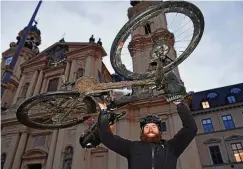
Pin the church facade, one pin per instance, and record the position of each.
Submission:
(40, 72)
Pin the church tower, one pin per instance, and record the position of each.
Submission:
(141, 38)
(140, 48)
(29, 50)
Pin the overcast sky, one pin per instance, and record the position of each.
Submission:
(216, 62)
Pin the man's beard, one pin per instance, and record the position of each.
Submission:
(156, 139)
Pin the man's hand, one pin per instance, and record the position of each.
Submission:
(102, 105)
(187, 100)
(176, 102)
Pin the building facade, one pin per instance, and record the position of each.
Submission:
(219, 117)
(39, 72)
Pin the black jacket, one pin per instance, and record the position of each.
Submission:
(142, 155)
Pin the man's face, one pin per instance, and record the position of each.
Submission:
(151, 130)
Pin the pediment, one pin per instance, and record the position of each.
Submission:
(86, 50)
(212, 140)
(44, 55)
(34, 153)
(234, 137)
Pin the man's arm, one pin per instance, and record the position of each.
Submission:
(186, 134)
(111, 141)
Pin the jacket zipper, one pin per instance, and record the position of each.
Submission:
(152, 156)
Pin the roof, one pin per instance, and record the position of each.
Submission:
(218, 96)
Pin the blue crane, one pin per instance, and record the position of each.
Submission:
(8, 74)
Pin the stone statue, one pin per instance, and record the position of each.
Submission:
(99, 42)
(92, 39)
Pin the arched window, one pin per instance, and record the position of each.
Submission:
(3, 159)
(80, 73)
(53, 83)
(147, 28)
(211, 95)
(68, 158)
(25, 89)
(235, 90)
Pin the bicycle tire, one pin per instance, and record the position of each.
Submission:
(186, 8)
(22, 111)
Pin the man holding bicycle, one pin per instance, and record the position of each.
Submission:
(152, 152)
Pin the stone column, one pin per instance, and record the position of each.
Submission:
(98, 66)
(71, 72)
(67, 69)
(19, 88)
(38, 84)
(32, 84)
(88, 67)
(20, 150)
(58, 152)
(43, 87)
(51, 151)
(66, 74)
(71, 77)
(78, 156)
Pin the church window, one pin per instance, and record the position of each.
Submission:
(68, 158)
(80, 73)
(25, 89)
(53, 83)
(147, 28)
(34, 166)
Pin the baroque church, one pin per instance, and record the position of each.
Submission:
(39, 72)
